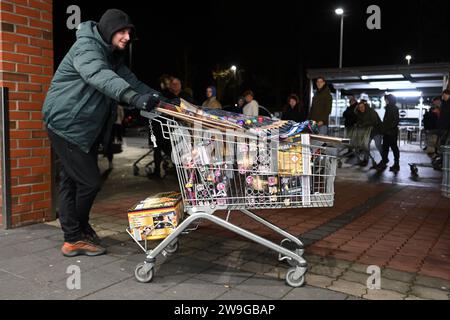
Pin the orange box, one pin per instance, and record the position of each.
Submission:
(156, 217)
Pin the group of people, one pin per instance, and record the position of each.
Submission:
(383, 133)
(436, 122)
(320, 109)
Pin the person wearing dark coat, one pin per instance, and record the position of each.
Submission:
(293, 110)
(79, 111)
(389, 129)
(444, 118)
(321, 106)
(430, 126)
(349, 114)
(369, 118)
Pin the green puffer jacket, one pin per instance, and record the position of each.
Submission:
(80, 105)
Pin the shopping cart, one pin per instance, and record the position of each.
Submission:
(232, 170)
(360, 138)
(446, 171)
(437, 159)
(355, 143)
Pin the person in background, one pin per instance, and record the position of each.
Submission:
(389, 130)
(252, 107)
(321, 105)
(240, 105)
(175, 91)
(293, 110)
(116, 137)
(444, 118)
(164, 83)
(369, 118)
(430, 125)
(350, 117)
(211, 102)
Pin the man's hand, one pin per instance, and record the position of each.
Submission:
(320, 123)
(146, 102)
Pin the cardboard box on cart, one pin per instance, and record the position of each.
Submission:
(161, 212)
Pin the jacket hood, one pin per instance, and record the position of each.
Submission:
(114, 20)
(88, 29)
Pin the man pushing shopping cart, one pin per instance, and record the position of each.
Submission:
(80, 109)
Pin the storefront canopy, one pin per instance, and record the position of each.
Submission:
(424, 80)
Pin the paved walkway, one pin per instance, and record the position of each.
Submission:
(402, 228)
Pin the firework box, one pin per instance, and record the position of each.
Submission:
(290, 161)
(156, 217)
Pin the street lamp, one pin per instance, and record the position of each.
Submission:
(408, 58)
(233, 68)
(340, 12)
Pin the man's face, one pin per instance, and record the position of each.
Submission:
(248, 98)
(445, 97)
(121, 39)
(209, 93)
(175, 86)
(320, 83)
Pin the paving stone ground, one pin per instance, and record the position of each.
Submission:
(403, 228)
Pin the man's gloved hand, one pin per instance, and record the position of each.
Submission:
(146, 102)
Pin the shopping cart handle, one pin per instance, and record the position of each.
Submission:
(330, 139)
(150, 115)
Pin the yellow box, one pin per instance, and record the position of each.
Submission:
(290, 161)
(156, 217)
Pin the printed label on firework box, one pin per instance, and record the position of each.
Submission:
(156, 217)
(290, 161)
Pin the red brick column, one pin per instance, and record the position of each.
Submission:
(26, 68)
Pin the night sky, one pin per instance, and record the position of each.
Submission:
(273, 42)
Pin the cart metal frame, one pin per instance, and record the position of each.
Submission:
(321, 180)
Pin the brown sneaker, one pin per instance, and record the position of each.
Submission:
(82, 248)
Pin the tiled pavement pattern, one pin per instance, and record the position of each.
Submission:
(403, 229)
(206, 267)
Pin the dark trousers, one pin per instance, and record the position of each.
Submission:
(390, 142)
(80, 182)
(164, 145)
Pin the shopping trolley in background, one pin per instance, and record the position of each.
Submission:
(355, 142)
(446, 170)
(241, 171)
(359, 142)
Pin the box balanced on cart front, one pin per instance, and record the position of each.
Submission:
(156, 217)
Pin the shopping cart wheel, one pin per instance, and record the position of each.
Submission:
(288, 244)
(142, 275)
(294, 280)
(135, 170)
(172, 248)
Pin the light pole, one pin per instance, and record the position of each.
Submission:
(234, 69)
(340, 12)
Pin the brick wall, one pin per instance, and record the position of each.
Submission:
(26, 68)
